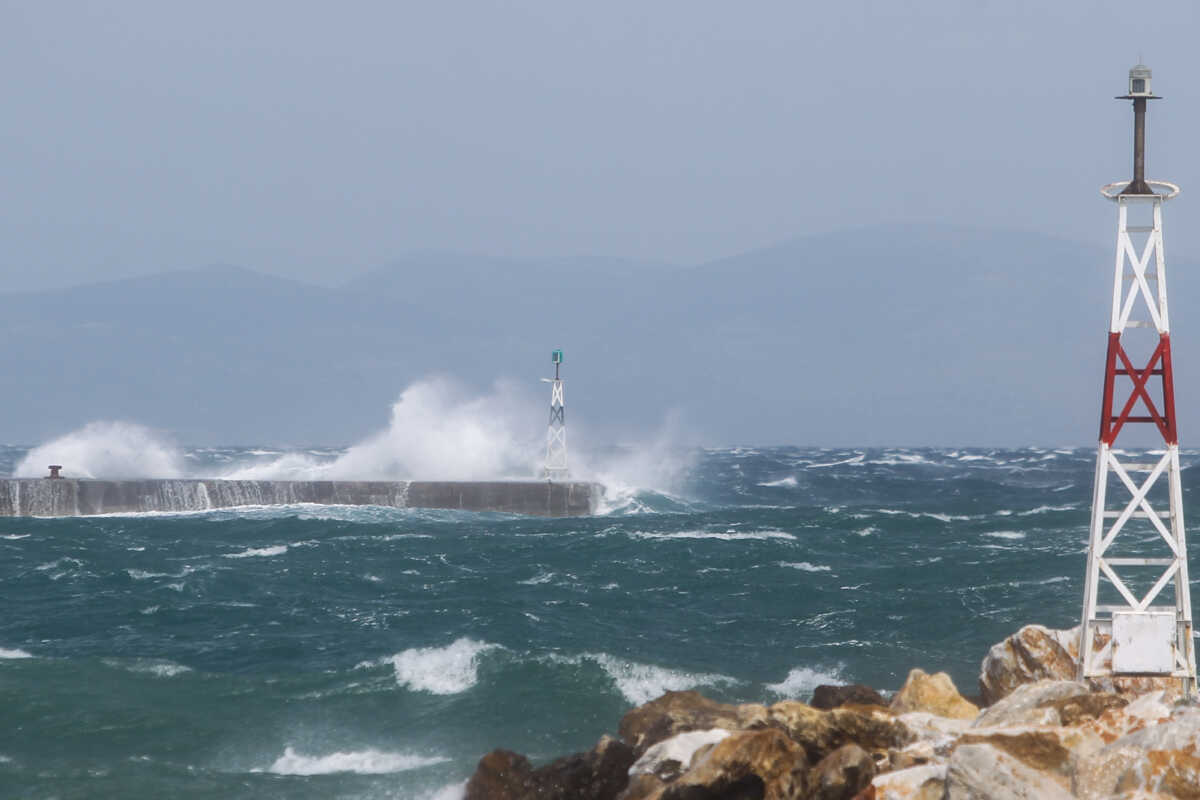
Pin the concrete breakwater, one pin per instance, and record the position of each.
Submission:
(65, 497)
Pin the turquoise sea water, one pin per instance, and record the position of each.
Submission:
(368, 653)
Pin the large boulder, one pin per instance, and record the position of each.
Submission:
(599, 774)
(679, 712)
(748, 765)
(1031, 654)
(873, 728)
(670, 758)
(1038, 653)
(933, 693)
(826, 697)
(1032, 704)
(1161, 760)
(916, 783)
(1046, 748)
(983, 772)
(841, 774)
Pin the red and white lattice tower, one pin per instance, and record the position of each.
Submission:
(1137, 531)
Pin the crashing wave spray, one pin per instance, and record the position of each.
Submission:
(105, 450)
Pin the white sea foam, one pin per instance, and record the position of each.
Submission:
(157, 667)
(1006, 535)
(790, 480)
(12, 537)
(867, 531)
(261, 552)
(728, 536)
(1044, 510)
(858, 459)
(438, 431)
(105, 450)
(440, 670)
(14, 653)
(641, 683)
(540, 578)
(451, 791)
(362, 762)
(805, 566)
(801, 681)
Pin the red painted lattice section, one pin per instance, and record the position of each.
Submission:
(1118, 364)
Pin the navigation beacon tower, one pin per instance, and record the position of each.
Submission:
(1129, 633)
(556, 433)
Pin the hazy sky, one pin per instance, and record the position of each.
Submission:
(321, 140)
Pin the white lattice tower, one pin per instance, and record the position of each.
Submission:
(555, 468)
(1137, 527)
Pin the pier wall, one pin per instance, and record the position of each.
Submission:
(46, 497)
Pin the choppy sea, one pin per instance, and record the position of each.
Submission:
(331, 652)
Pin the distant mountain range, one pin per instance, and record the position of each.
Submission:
(919, 335)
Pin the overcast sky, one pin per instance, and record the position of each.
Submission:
(322, 140)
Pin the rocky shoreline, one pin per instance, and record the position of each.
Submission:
(1039, 734)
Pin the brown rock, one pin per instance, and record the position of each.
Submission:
(599, 774)
(916, 783)
(758, 765)
(1031, 704)
(982, 772)
(821, 732)
(643, 787)
(933, 693)
(677, 712)
(826, 697)
(1086, 707)
(1161, 759)
(1031, 654)
(842, 774)
(500, 775)
(1045, 748)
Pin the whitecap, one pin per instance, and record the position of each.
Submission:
(805, 566)
(641, 683)
(14, 653)
(440, 670)
(867, 531)
(1044, 510)
(362, 762)
(12, 537)
(728, 536)
(858, 459)
(1006, 535)
(789, 481)
(801, 681)
(540, 578)
(159, 668)
(274, 550)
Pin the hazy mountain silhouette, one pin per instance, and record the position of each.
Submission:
(923, 335)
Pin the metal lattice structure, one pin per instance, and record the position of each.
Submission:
(555, 468)
(1138, 503)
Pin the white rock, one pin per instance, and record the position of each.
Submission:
(983, 772)
(680, 748)
(915, 783)
(1021, 707)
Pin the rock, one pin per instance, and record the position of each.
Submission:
(914, 755)
(762, 764)
(500, 775)
(982, 772)
(643, 787)
(842, 774)
(1031, 704)
(1162, 758)
(826, 697)
(1086, 707)
(1035, 653)
(1031, 654)
(670, 758)
(599, 774)
(914, 783)
(873, 728)
(933, 693)
(1143, 712)
(1045, 748)
(679, 712)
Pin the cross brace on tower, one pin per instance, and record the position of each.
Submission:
(555, 468)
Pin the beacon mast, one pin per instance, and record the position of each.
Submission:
(1137, 531)
(555, 468)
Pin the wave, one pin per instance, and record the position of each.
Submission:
(641, 683)
(727, 536)
(12, 537)
(440, 670)
(801, 681)
(159, 668)
(14, 653)
(790, 481)
(805, 566)
(858, 459)
(106, 450)
(362, 762)
(259, 552)
(1006, 535)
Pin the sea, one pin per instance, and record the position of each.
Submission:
(364, 652)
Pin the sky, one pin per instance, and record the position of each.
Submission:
(318, 141)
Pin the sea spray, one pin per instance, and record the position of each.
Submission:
(105, 449)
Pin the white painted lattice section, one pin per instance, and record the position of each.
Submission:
(1139, 262)
(556, 436)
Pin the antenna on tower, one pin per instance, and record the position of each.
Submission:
(1138, 630)
(555, 468)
